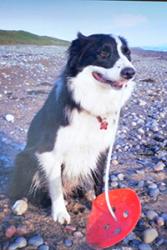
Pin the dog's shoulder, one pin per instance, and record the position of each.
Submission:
(47, 121)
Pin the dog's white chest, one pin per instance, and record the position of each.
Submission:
(81, 143)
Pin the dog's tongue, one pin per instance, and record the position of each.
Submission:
(99, 77)
(118, 84)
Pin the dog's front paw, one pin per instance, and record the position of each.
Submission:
(62, 217)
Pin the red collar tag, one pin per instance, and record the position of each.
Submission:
(103, 122)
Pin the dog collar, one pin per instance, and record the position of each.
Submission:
(103, 122)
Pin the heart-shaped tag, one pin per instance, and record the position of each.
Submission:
(102, 229)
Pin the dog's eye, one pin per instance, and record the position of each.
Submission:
(105, 53)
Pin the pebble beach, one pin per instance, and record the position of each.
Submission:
(139, 160)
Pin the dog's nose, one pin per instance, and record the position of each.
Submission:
(127, 73)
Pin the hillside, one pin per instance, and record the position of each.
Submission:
(23, 37)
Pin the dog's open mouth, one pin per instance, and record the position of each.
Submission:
(115, 84)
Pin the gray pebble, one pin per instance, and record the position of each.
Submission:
(150, 235)
(162, 155)
(13, 246)
(141, 171)
(134, 124)
(162, 114)
(142, 103)
(152, 186)
(21, 242)
(159, 166)
(144, 246)
(135, 243)
(154, 126)
(151, 215)
(149, 182)
(114, 184)
(115, 162)
(121, 176)
(20, 207)
(43, 247)
(141, 184)
(155, 129)
(130, 237)
(162, 186)
(36, 240)
(141, 131)
(9, 118)
(160, 221)
(159, 241)
(122, 185)
(68, 242)
(78, 234)
(113, 178)
(139, 137)
(154, 192)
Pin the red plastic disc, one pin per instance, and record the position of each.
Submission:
(102, 230)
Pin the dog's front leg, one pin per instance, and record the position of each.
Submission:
(59, 211)
(52, 167)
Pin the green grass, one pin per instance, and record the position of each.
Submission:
(23, 37)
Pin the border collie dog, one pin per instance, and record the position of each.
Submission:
(69, 138)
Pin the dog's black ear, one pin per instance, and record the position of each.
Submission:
(82, 39)
(74, 52)
(81, 36)
(125, 47)
(124, 41)
(78, 43)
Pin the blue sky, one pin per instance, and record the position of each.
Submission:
(142, 23)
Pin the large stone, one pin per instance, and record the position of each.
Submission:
(21, 242)
(20, 207)
(150, 235)
(36, 240)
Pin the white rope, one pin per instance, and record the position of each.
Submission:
(106, 187)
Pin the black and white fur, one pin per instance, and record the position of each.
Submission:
(66, 149)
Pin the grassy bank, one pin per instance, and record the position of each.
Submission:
(23, 37)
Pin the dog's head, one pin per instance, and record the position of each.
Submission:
(98, 65)
(107, 57)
